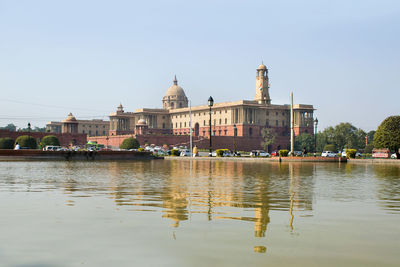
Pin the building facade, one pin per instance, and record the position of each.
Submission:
(243, 118)
(74, 126)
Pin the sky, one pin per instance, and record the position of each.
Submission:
(86, 57)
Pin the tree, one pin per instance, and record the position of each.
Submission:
(26, 141)
(345, 135)
(269, 136)
(388, 134)
(305, 140)
(322, 140)
(6, 143)
(49, 140)
(330, 147)
(130, 143)
(11, 127)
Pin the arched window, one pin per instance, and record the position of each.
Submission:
(250, 131)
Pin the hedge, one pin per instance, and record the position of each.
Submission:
(49, 140)
(130, 143)
(26, 141)
(6, 143)
(283, 153)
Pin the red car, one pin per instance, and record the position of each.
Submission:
(274, 153)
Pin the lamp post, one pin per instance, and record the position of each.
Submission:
(234, 139)
(107, 141)
(29, 129)
(210, 104)
(315, 136)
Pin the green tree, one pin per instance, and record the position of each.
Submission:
(49, 140)
(305, 140)
(26, 141)
(345, 135)
(269, 136)
(322, 140)
(330, 147)
(6, 143)
(130, 143)
(11, 127)
(388, 134)
(368, 148)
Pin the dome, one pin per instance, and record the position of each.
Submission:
(262, 67)
(175, 90)
(141, 122)
(70, 117)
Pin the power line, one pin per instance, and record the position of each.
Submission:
(46, 105)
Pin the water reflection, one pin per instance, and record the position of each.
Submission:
(219, 190)
(388, 186)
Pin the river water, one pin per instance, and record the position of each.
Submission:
(199, 213)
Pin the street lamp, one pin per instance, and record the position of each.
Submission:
(107, 141)
(315, 136)
(234, 139)
(210, 104)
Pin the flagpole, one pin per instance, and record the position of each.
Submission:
(190, 126)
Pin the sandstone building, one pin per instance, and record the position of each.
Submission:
(74, 126)
(248, 117)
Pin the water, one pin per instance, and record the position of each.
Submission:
(199, 213)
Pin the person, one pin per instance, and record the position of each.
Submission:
(195, 151)
(17, 146)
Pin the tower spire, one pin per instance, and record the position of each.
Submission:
(175, 80)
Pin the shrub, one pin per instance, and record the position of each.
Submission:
(351, 153)
(220, 152)
(368, 148)
(26, 141)
(140, 149)
(174, 152)
(330, 147)
(6, 143)
(49, 140)
(130, 143)
(283, 153)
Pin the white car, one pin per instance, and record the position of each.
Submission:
(185, 153)
(393, 156)
(328, 154)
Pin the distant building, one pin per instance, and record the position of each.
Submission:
(72, 125)
(249, 117)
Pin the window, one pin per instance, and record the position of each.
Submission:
(83, 131)
(283, 113)
(163, 125)
(276, 113)
(180, 125)
(204, 133)
(176, 125)
(283, 123)
(220, 111)
(204, 123)
(219, 132)
(214, 121)
(226, 111)
(226, 121)
(104, 132)
(220, 121)
(267, 123)
(225, 132)
(267, 113)
(250, 131)
(276, 123)
(185, 123)
(90, 132)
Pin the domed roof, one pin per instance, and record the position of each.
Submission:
(70, 117)
(141, 122)
(175, 90)
(262, 67)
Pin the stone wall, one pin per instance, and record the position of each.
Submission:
(242, 143)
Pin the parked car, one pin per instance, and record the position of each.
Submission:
(393, 156)
(344, 154)
(358, 154)
(185, 153)
(275, 153)
(328, 154)
(52, 148)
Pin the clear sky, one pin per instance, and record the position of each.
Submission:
(86, 57)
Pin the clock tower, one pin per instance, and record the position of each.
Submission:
(262, 86)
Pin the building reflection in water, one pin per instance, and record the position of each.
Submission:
(218, 189)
